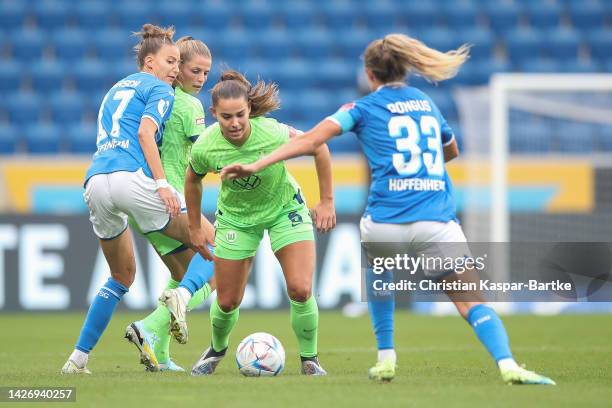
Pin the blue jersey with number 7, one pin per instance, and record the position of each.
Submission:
(402, 133)
(123, 107)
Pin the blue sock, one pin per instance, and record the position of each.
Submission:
(490, 331)
(99, 314)
(198, 273)
(381, 305)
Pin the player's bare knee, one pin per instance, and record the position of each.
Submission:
(125, 275)
(299, 294)
(227, 305)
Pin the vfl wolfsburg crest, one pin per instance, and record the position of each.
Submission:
(248, 183)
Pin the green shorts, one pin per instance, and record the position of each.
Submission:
(235, 242)
(163, 245)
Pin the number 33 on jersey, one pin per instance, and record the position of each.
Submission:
(403, 135)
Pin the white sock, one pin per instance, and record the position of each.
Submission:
(184, 294)
(507, 364)
(79, 357)
(387, 354)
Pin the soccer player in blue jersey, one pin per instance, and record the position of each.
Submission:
(406, 142)
(126, 177)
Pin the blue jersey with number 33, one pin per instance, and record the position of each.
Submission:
(123, 107)
(402, 133)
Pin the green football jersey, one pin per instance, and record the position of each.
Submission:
(255, 199)
(185, 125)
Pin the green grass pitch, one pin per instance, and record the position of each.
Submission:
(441, 363)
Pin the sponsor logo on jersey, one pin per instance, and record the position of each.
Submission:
(347, 106)
(295, 218)
(162, 106)
(199, 121)
(248, 183)
(231, 236)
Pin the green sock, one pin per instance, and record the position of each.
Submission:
(305, 324)
(199, 297)
(222, 325)
(158, 322)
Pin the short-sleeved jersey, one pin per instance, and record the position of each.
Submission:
(123, 107)
(186, 123)
(259, 198)
(402, 133)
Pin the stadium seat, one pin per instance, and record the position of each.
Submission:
(530, 137)
(120, 70)
(9, 139)
(460, 15)
(295, 14)
(51, 14)
(67, 107)
(587, 14)
(345, 143)
(338, 14)
(25, 108)
(524, 44)
(539, 65)
(543, 14)
(604, 138)
(28, 44)
(315, 44)
(314, 105)
(294, 74)
(333, 74)
(70, 44)
(12, 14)
(42, 139)
(92, 13)
(600, 43)
(379, 15)
(256, 16)
(90, 76)
(482, 40)
(178, 13)
(575, 137)
(112, 44)
(213, 16)
(418, 14)
(47, 75)
(502, 17)
(274, 44)
(10, 76)
(583, 66)
(351, 44)
(132, 14)
(445, 103)
(562, 43)
(441, 39)
(235, 45)
(82, 138)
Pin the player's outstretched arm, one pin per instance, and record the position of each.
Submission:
(324, 213)
(302, 145)
(199, 235)
(451, 151)
(146, 138)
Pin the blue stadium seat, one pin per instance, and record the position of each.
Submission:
(256, 16)
(113, 44)
(418, 14)
(51, 14)
(315, 105)
(258, 68)
(178, 13)
(539, 65)
(441, 39)
(351, 44)
(9, 139)
(600, 42)
(587, 14)
(294, 74)
(25, 107)
(333, 74)
(42, 139)
(563, 43)
(132, 14)
(504, 16)
(120, 70)
(461, 14)
(67, 107)
(273, 44)
(234, 45)
(47, 75)
(82, 138)
(524, 44)
(445, 102)
(379, 15)
(12, 14)
(91, 76)
(338, 14)
(582, 66)
(530, 137)
(604, 138)
(213, 16)
(92, 13)
(294, 14)
(543, 14)
(28, 44)
(10, 76)
(345, 143)
(70, 44)
(576, 137)
(316, 44)
(482, 40)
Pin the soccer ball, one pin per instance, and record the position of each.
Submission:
(260, 354)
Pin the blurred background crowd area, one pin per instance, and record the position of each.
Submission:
(59, 57)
